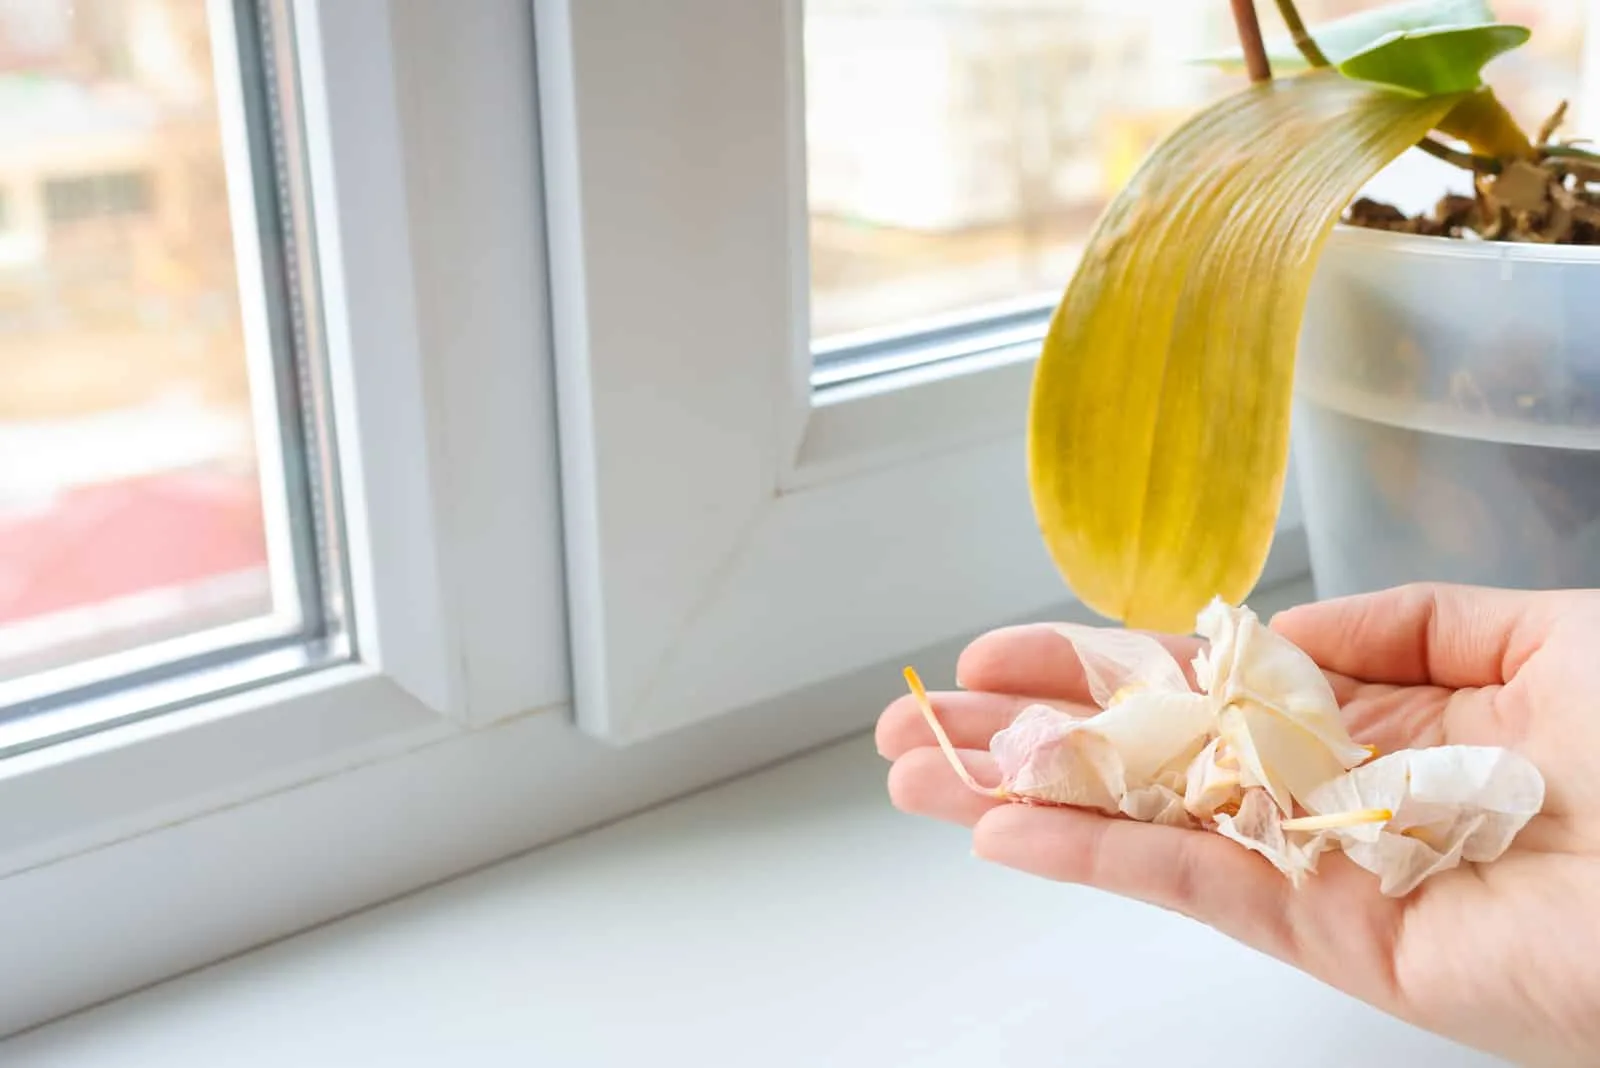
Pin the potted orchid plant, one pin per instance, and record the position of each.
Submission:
(1442, 373)
(1439, 367)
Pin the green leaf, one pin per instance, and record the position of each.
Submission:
(1448, 59)
(1342, 38)
(1158, 429)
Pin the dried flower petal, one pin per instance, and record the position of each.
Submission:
(1257, 664)
(1449, 803)
(1258, 826)
(1152, 730)
(1212, 781)
(1276, 708)
(1156, 804)
(1115, 661)
(1047, 755)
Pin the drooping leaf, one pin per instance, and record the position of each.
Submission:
(1342, 38)
(1436, 61)
(1159, 417)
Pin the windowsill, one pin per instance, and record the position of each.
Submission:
(788, 918)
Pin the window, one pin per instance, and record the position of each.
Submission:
(168, 507)
(343, 396)
(958, 152)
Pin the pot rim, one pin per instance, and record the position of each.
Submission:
(1453, 248)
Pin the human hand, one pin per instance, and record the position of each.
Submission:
(1504, 956)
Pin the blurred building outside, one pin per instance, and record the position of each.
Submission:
(129, 505)
(959, 150)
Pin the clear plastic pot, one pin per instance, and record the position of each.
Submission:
(1447, 413)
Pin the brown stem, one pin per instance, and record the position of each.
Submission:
(1302, 40)
(1255, 51)
(1465, 160)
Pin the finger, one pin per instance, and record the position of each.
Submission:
(922, 783)
(1417, 717)
(1196, 873)
(1034, 659)
(1423, 633)
(970, 719)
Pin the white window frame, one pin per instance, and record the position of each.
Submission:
(731, 535)
(441, 409)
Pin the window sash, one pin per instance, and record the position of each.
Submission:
(454, 569)
(740, 521)
(287, 375)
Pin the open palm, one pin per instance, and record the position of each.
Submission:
(1504, 956)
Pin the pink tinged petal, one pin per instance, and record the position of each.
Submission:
(1047, 755)
(1116, 660)
(1139, 745)
(1035, 727)
(1256, 826)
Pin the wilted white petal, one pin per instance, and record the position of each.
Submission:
(1273, 752)
(1116, 660)
(1152, 730)
(1235, 733)
(1156, 803)
(1402, 862)
(1250, 664)
(1211, 780)
(1257, 826)
(1447, 803)
(1204, 672)
(1216, 624)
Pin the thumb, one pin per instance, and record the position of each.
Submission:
(1422, 634)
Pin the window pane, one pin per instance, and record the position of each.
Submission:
(958, 150)
(154, 464)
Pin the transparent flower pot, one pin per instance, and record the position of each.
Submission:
(1447, 413)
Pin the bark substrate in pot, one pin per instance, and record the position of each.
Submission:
(1447, 413)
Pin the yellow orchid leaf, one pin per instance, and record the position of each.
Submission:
(1158, 428)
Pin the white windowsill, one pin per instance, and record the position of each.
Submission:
(788, 918)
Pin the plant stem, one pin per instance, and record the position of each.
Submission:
(1302, 40)
(1570, 152)
(1465, 160)
(1255, 51)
